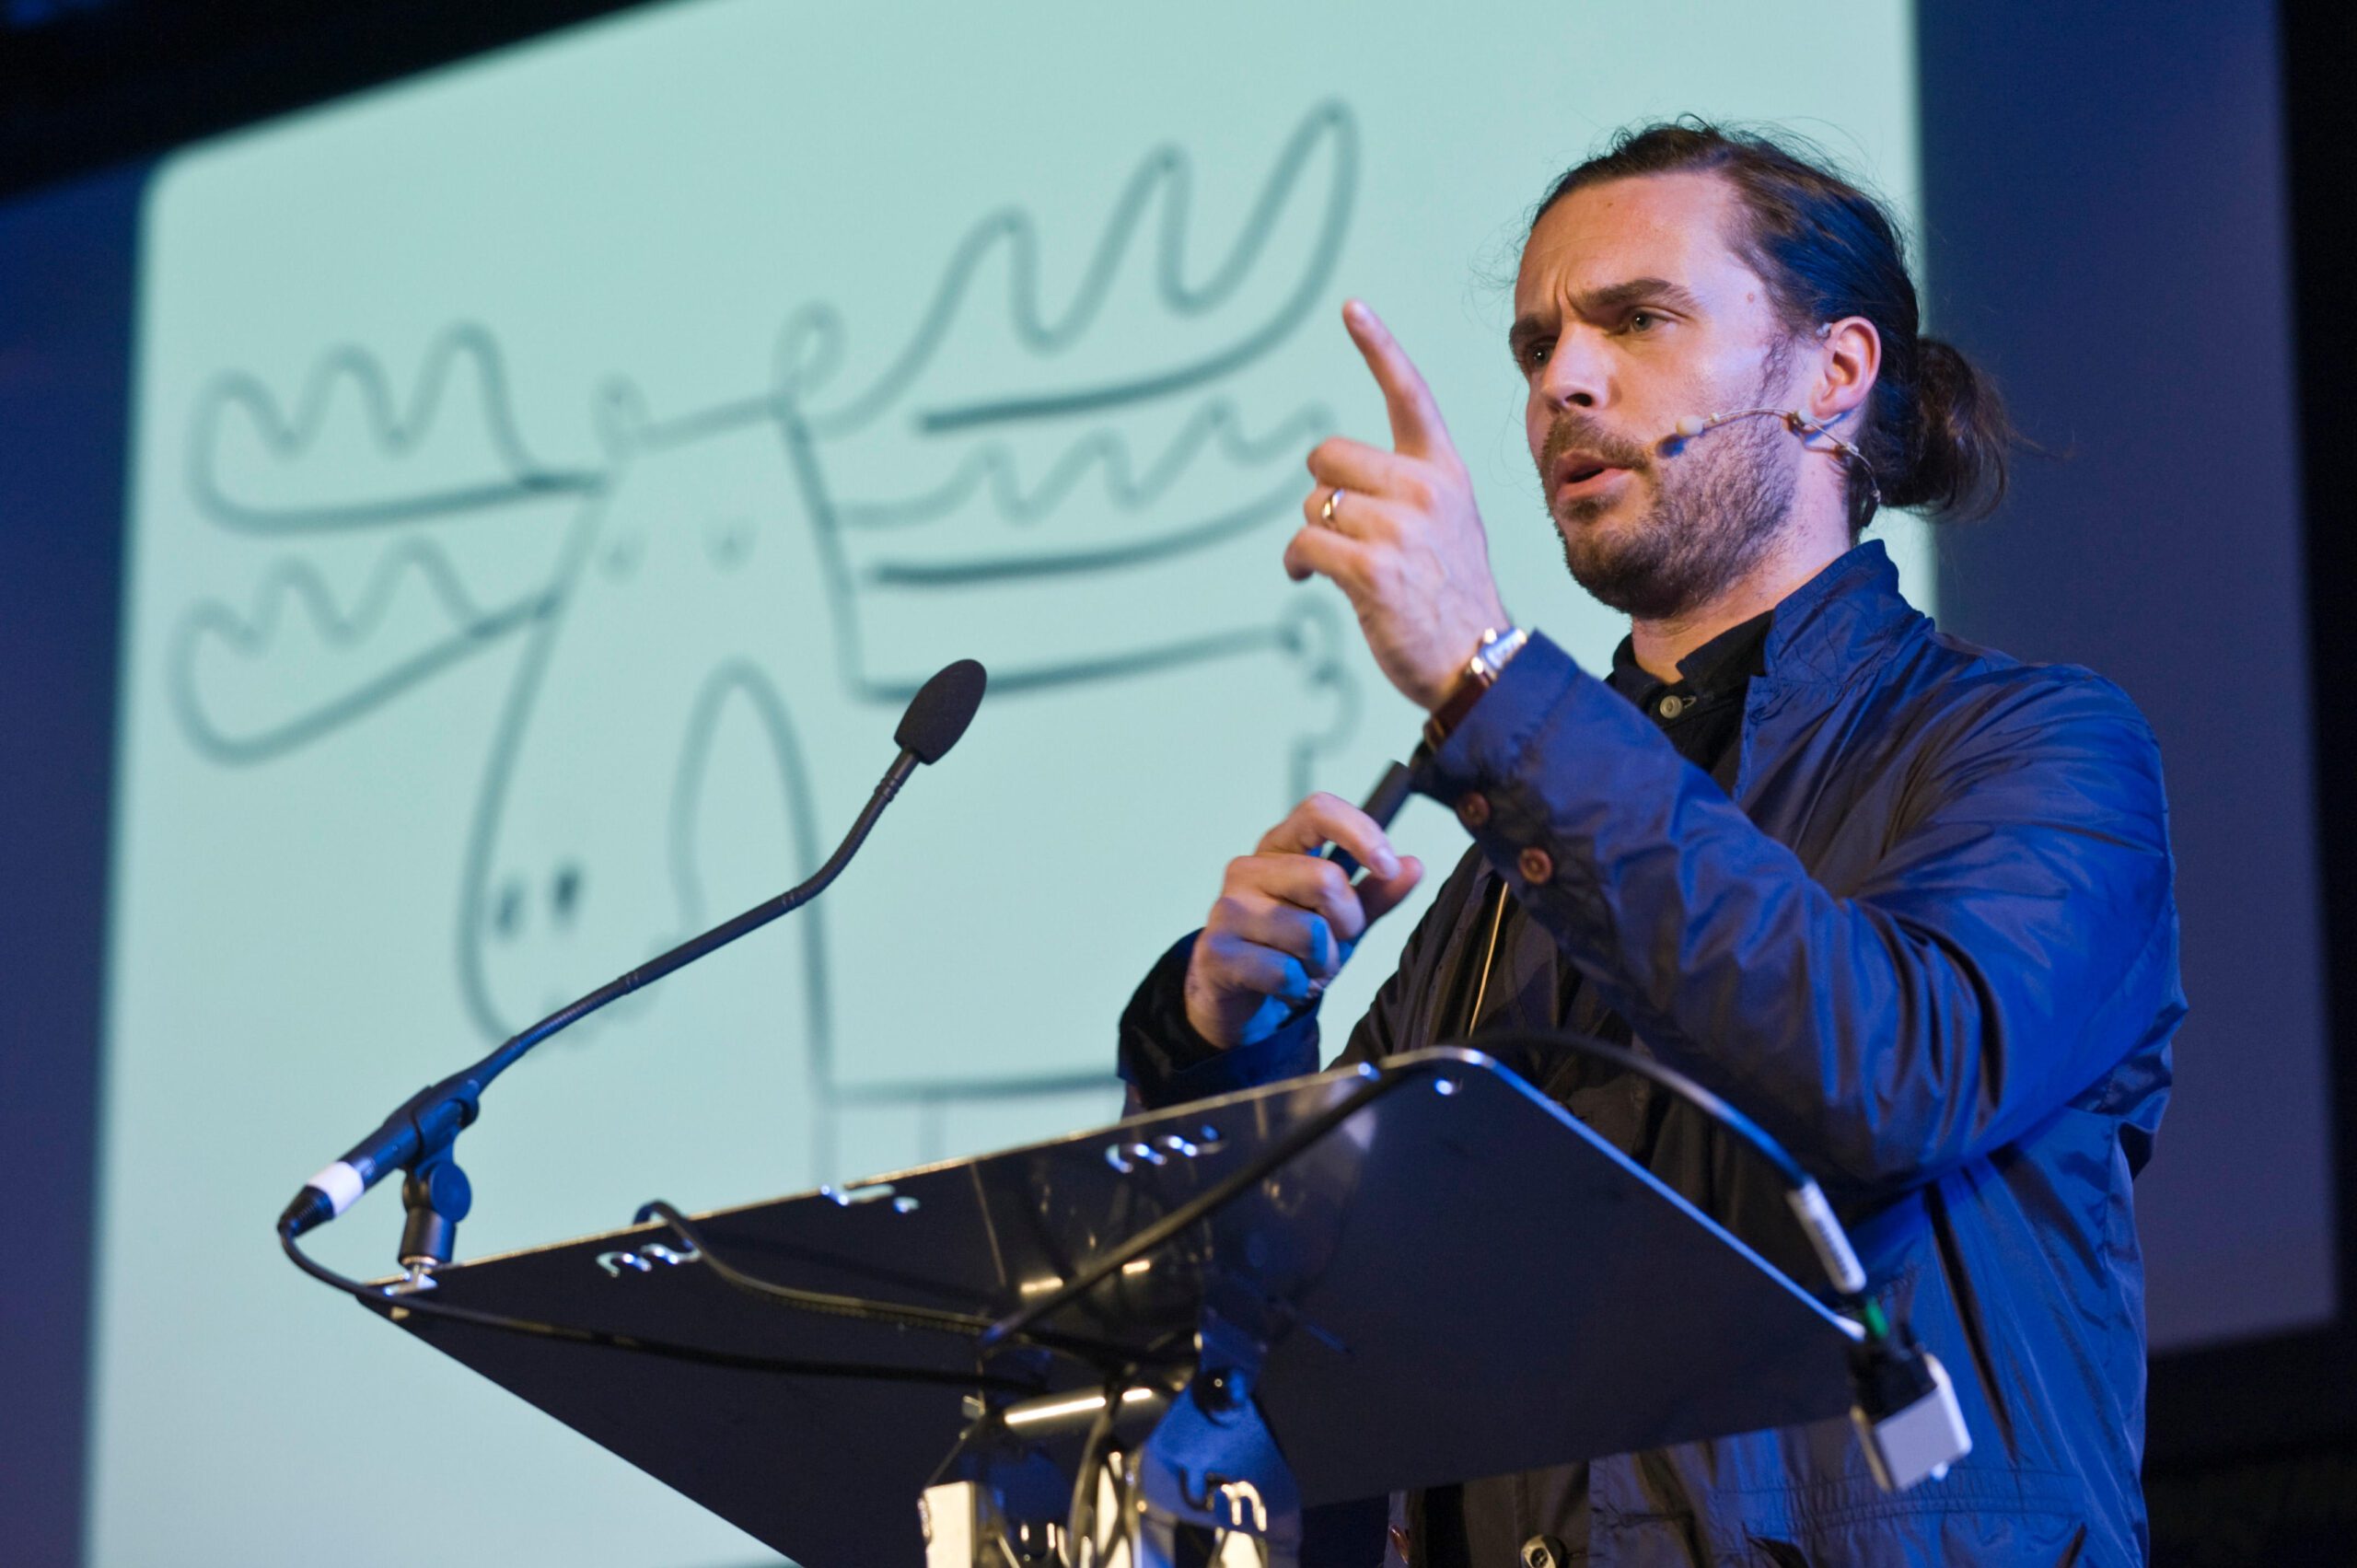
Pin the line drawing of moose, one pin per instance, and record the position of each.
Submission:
(694, 618)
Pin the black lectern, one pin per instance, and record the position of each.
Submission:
(1456, 1280)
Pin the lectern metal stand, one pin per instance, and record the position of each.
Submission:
(1458, 1280)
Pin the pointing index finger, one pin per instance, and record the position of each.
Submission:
(1416, 427)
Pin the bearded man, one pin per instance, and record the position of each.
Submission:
(1906, 901)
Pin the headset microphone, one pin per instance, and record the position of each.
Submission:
(1693, 424)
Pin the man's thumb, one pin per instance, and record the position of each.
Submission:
(1378, 895)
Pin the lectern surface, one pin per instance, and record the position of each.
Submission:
(1459, 1280)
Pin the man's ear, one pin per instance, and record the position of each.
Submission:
(1846, 363)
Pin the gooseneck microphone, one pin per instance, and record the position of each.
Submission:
(938, 716)
(421, 1131)
(1799, 423)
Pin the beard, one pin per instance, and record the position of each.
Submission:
(1714, 513)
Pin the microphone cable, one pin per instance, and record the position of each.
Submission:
(377, 1299)
(1807, 1200)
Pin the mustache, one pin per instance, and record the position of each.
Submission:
(1583, 433)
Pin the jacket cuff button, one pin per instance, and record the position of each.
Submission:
(1535, 866)
(1473, 809)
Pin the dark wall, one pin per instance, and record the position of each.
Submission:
(2108, 229)
(2112, 229)
(66, 294)
(86, 84)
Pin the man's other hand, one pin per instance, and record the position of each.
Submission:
(1286, 920)
(1405, 541)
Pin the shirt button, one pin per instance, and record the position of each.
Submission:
(1544, 1551)
(1672, 706)
(1473, 809)
(1535, 866)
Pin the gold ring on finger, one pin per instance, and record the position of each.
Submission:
(1325, 513)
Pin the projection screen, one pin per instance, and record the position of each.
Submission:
(550, 478)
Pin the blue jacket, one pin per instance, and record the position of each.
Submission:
(1930, 944)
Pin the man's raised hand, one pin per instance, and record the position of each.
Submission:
(1286, 920)
(1404, 541)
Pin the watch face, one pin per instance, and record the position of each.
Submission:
(1497, 647)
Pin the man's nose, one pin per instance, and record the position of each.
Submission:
(1575, 374)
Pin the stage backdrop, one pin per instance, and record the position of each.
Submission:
(550, 479)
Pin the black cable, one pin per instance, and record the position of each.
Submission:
(1184, 1216)
(1096, 1355)
(1565, 1043)
(989, 1334)
(1081, 1522)
(936, 1319)
(1891, 1373)
(1389, 1076)
(668, 1350)
(1805, 1199)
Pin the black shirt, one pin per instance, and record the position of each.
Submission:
(1701, 711)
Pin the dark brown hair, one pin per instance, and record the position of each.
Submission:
(1935, 432)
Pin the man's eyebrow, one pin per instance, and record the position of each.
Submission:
(1615, 297)
(1610, 300)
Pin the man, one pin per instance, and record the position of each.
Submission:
(1904, 900)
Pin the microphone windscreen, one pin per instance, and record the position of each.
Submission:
(940, 710)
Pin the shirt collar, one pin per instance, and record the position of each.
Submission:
(1722, 665)
(1818, 632)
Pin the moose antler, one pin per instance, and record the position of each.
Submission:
(349, 455)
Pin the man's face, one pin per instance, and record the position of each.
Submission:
(1632, 312)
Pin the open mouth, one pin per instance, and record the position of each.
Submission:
(1579, 476)
(1585, 466)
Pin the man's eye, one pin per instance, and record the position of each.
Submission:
(1640, 321)
(1534, 354)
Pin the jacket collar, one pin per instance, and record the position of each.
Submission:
(1827, 625)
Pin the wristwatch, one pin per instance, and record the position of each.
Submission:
(1482, 672)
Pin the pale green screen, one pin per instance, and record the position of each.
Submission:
(550, 477)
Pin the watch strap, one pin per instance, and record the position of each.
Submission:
(1497, 648)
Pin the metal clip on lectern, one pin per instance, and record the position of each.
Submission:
(1454, 1279)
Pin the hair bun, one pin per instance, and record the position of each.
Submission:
(1956, 452)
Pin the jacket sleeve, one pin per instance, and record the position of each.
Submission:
(2016, 940)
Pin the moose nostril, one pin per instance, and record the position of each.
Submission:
(728, 541)
(508, 909)
(564, 892)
